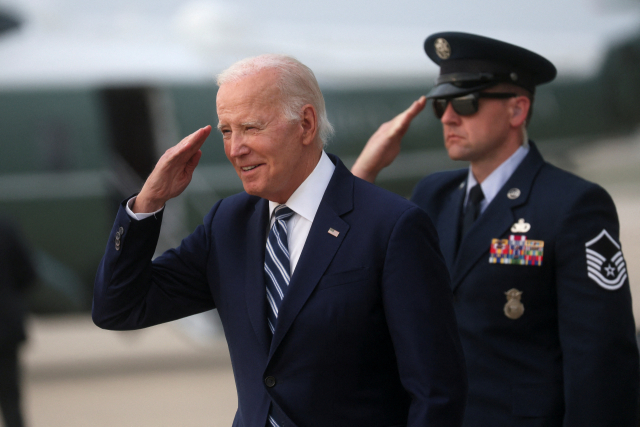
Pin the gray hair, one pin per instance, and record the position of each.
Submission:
(298, 87)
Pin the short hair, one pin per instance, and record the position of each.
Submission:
(520, 91)
(297, 83)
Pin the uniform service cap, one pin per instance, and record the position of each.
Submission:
(469, 63)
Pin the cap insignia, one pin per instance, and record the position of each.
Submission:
(443, 50)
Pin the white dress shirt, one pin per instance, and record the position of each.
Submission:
(303, 202)
(497, 178)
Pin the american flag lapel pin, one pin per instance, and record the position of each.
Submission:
(333, 232)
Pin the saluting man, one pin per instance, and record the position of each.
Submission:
(541, 290)
(333, 294)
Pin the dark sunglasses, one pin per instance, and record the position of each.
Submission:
(466, 105)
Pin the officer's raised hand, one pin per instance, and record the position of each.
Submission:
(384, 145)
(172, 174)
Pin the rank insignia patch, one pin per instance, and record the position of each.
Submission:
(516, 250)
(605, 263)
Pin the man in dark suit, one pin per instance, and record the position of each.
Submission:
(540, 286)
(16, 276)
(333, 295)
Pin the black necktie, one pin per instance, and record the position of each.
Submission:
(473, 208)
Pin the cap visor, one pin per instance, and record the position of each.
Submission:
(448, 90)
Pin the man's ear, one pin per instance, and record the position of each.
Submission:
(519, 110)
(309, 124)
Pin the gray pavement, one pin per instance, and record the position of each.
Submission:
(77, 375)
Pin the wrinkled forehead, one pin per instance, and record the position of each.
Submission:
(259, 87)
(254, 99)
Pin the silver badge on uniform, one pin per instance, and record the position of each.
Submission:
(443, 50)
(521, 226)
(605, 263)
(514, 193)
(513, 309)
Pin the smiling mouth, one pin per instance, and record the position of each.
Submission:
(248, 168)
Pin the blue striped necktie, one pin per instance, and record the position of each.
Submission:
(277, 273)
(277, 268)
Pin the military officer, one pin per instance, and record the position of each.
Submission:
(540, 282)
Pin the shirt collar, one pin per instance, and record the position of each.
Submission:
(498, 178)
(307, 197)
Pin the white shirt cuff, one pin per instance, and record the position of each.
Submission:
(138, 216)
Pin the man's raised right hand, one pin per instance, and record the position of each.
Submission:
(172, 174)
(384, 145)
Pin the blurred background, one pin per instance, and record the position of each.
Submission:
(93, 91)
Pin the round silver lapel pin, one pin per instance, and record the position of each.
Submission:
(514, 193)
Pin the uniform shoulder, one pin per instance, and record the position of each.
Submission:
(432, 187)
(564, 185)
(441, 180)
(384, 199)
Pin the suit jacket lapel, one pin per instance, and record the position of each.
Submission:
(255, 290)
(319, 248)
(497, 219)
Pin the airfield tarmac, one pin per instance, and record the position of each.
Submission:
(76, 375)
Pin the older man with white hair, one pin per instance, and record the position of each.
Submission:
(333, 294)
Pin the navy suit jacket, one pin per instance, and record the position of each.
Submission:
(366, 335)
(571, 358)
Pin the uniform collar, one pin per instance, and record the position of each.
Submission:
(496, 180)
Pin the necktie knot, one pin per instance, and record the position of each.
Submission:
(472, 211)
(282, 212)
(476, 195)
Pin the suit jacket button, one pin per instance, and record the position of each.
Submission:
(270, 381)
(121, 231)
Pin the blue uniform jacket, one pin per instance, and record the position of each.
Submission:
(570, 358)
(366, 335)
